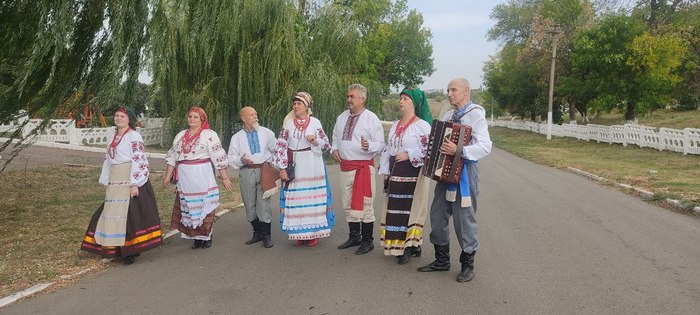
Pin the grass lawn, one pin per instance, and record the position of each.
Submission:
(660, 118)
(43, 217)
(666, 174)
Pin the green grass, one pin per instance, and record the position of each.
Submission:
(660, 118)
(43, 217)
(668, 174)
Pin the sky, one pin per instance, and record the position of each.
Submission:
(460, 47)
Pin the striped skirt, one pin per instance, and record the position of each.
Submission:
(407, 206)
(136, 230)
(306, 204)
(196, 199)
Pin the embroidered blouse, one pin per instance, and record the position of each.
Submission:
(129, 149)
(292, 138)
(348, 133)
(241, 145)
(413, 140)
(207, 146)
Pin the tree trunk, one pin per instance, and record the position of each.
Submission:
(572, 112)
(631, 111)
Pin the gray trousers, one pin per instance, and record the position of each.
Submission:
(252, 194)
(464, 218)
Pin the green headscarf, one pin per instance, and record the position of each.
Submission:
(420, 104)
(132, 116)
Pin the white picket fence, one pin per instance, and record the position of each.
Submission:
(686, 141)
(64, 130)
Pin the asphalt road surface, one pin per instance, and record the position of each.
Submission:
(551, 243)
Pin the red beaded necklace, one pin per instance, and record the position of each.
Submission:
(302, 124)
(112, 149)
(189, 141)
(401, 128)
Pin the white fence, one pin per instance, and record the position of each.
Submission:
(64, 130)
(686, 141)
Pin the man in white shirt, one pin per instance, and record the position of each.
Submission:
(250, 151)
(459, 199)
(358, 136)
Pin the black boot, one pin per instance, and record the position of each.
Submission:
(265, 233)
(207, 244)
(354, 236)
(442, 260)
(407, 253)
(366, 245)
(197, 244)
(257, 237)
(128, 260)
(467, 273)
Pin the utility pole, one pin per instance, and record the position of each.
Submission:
(555, 32)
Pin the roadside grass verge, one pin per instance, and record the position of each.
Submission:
(43, 217)
(659, 118)
(666, 174)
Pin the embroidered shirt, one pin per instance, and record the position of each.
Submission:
(291, 138)
(129, 149)
(240, 146)
(207, 146)
(475, 116)
(414, 141)
(367, 125)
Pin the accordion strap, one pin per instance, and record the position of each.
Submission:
(458, 154)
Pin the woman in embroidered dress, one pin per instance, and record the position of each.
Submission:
(306, 212)
(401, 231)
(127, 223)
(190, 166)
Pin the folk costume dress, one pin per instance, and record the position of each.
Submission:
(404, 216)
(124, 226)
(197, 191)
(306, 203)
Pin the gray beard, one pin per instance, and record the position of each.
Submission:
(256, 125)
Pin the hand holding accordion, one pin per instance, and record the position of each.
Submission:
(445, 167)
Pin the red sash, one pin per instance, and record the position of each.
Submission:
(362, 187)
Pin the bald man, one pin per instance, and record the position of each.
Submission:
(459, 200)
(250, 151)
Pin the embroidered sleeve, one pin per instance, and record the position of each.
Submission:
(323, 141)
(139, 163)
(376, 141)
(384, 161)
(280, 155)
(217, 154)
(417, 152)
(172, 155)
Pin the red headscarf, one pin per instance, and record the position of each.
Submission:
(189, 141)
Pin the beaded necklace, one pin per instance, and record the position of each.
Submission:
(112, 149)
(189, 141)
(300, 125)
(400, 129)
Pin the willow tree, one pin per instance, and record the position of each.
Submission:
(58, 55)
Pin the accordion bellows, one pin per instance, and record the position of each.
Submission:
(443, 167)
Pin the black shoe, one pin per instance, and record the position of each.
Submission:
(128, 260)
(354, 237)
(365, 247)
(434, 267)
(466, 275)
(197, 244)
(267, 241)
(206, 244)
(352, 241)
(407, 253)
(256, 238)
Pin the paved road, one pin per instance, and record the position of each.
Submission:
(551, 243)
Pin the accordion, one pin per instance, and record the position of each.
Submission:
(443, 167)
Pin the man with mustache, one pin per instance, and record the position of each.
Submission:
(358, 136)
(250, 151)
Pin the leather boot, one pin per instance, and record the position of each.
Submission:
(354, 238)
(266, 238)
(366, 244)
(467, 273)
(207, 244)
(257, 237)
(407, 253)
(197, 244)
(442, 260)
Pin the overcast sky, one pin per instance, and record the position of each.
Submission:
(459, 40)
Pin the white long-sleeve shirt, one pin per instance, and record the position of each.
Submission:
(480, 146)
(207, 146)
(129, 149)
(413, 140)
(291, 138)
(349, 142)
(240, 146)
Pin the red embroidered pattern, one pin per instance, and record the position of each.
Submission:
(350, 126)
(112, 149)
